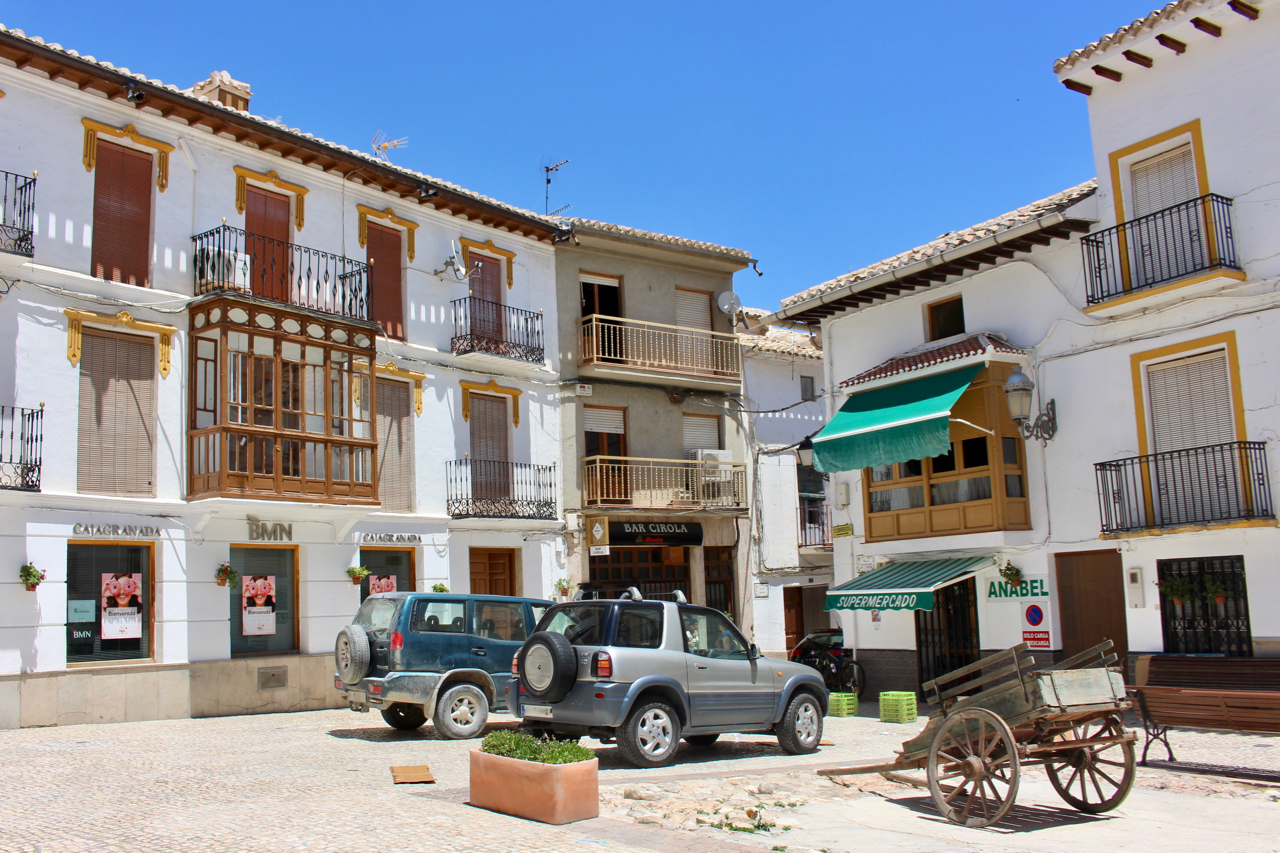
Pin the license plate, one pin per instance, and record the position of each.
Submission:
(540, 711)
(357, 697)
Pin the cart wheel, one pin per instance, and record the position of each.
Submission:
(973, 768)
(1102, 775)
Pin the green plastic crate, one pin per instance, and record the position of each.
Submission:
(897, 707)
(843, 705)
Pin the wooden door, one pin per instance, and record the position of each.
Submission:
(486, 304)
(385, 250)
(121, 215)
(490, 471)
(1091, 602)
(793, 615)
(266, 225)
(947, 635)
(491, 572)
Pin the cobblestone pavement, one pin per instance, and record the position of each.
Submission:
(320, 781)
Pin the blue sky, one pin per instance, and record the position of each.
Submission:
(819, 136)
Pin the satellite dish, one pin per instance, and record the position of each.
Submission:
(729, 303)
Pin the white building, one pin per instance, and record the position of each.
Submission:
(1142, 308)
(228, 341)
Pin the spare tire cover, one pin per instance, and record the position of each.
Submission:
(351, 654)
(548, 666)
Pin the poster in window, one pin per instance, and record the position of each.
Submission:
(258, 605)
(382, 583)
(121, 606)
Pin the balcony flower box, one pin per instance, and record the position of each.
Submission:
(548, 793)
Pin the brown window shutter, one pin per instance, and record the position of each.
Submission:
(395, 446)
(486, 280)
(122, 214)
(117, 414)
(488, 428)
(386, 276)
(266, 225)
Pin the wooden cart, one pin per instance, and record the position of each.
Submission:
(1004, 713)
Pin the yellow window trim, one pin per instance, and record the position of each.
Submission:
(365, 212)
(90, 156)
(491, 388)
(243, 176)
(1191, 128)
(391, 369)
(469, 245)
(1226, 340)
(76, 317)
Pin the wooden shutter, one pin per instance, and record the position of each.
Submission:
(266, 214)
(117, 414)
(486, 280)
(597, 419)
(122, 214)
(395, 446)
(386, 278)
(693, 309)
(1191, 403)
(266, 224)
(1163, 181)
(701, 433)
(488, 428)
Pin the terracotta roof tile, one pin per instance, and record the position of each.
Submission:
(782, 342)
(937, 352)
(1133, 30)
(651, 235)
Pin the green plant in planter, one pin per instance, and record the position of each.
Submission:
(31, 576)
(227, 576)
(562, 585)
(1011, 574)
(1179, 589)
(525, 747)
(1215, 590)
(439, 588)
(357, 573)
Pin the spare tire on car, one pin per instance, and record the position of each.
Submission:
(547, 666)
(351, 654)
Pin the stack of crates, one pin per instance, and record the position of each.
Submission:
(843, 705)
(897, 707)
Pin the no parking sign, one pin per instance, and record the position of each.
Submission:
(1035, 631)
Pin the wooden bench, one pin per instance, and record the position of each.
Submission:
(1233, 694)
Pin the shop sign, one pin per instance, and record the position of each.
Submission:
(1029, 588)
(883, 601)
(115, 531)
(840, 531)
(762, 590)
(655, 533)
(390, 539)
(268, 532)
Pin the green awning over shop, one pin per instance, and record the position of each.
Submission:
(905, 585)
(896, 423)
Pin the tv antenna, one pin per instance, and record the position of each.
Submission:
(546, 201)
(382, 144)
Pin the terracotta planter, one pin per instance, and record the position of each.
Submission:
(548, 793)
(355, 581)
(222, 581)
(1177, 602)
(1220, 599)
(31, 587)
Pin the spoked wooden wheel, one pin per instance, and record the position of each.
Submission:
(1093, 779)
(973, 768)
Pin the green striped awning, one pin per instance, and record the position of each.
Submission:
(896, 423)
(904, 585)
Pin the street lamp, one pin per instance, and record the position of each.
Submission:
(805, 450)
(1017, 391)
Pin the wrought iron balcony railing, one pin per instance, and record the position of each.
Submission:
(21, 439)
(482, 326)
(619, 342)
(228, 259)
(637, 482)
(481, 488)
(18, 214)
(815, 525)
(1188, 238)
(1199, 485)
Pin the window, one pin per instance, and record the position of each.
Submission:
(264, 609)
(701, 432)
(946, 319)
(267, 236)
(601, 295)
(580, 624)
(708, 634)
(807, 391)
(390, 570)
(693, 309)
(1214, 619)
(117, 414)
(1162, 181)
(121, 215)
(109, 597)
(386, 278)
(501, 620)
(440, 617)
(395, 446)
(639, 628)
(377, 615)
(490, 454)
(654, 571)
(1191, 404)
(719, 568)
(604, 431)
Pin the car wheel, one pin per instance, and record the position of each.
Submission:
(800, 729)
(650, 735)
(701, 740)
(404, 716)
(461, 712)
(351, 654)
(548, 666)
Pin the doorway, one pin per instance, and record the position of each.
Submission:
(947, 635)
(1091, 601)
(492, 571)
(803, 613)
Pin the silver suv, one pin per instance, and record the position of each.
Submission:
(646, 673)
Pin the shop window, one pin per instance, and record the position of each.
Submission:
(501, 620)
(946, 319)
(1213, 618)
(654, 571)
(264, 608)
(390, 570)
(109, 603)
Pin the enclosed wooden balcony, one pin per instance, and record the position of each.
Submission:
(663, 483)
(698, 358)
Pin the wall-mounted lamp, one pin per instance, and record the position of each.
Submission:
(1018, 392)
(805, 450)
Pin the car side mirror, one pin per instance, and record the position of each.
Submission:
(755, 651)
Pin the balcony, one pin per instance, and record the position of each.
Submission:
(815, 526)
(1144, 254)
(615, 345)
(228, 260)
(490, 329)
(18, 215)
(21, 437)
(663, 483)
(1201, 485)
(480, 488)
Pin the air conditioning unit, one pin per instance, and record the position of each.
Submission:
(222, 269)
(718, 473)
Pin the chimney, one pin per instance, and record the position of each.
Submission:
(221, 88)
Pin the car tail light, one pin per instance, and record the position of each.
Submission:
(515, 665)
(337, 682)
(604, 665)
(397, 641)
(795, 653)
(375, 689)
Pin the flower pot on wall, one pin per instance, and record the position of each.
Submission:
(548, 793)
(355, 581)
(31, 587)
(1220, 599)
(1177, 602)
(222, 581)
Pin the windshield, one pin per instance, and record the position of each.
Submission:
(377, 614)
(580, 624)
